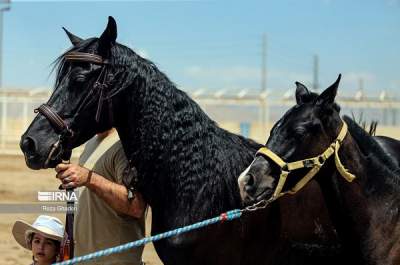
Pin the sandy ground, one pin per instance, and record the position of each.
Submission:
(19, 185)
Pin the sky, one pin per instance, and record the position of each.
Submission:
(215, 44)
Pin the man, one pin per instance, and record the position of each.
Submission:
(106, 215)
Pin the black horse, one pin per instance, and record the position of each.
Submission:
(187, 166)
(365, 212)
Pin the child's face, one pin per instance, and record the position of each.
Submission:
(44, 250)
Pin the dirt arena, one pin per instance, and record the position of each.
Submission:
(19, 185)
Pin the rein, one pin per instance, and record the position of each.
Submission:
(314, 163)
(68, 243)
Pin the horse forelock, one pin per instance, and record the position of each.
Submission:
(59, 62)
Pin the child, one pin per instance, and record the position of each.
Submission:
(43, 237)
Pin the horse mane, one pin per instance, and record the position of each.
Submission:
(383, 170)
(368, 144)
(196, 149)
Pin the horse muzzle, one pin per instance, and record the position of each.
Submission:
(38, 159)
(29, 148)
(256, 183)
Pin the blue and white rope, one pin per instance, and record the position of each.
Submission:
(230, 215)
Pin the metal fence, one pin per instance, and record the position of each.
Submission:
(242, 112)
(16, 112)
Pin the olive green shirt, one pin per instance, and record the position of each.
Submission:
(97, 226)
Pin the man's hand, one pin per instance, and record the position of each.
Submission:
(72, 176)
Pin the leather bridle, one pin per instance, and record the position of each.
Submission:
(100, 86)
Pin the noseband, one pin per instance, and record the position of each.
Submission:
(100, 86)
(314, 163)
(59, 124)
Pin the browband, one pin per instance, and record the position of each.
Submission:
(85, 57)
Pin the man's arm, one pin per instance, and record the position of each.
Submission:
(114, 194)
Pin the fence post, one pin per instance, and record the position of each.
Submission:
(25, 113)
(3, 120)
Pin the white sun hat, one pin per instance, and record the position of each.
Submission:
(48, 226)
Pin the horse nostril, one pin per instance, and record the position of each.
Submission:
(250, 180)
(28, 145)
(249, 184)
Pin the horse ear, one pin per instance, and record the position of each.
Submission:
(328, 96)
(74, 39)
(108, 38)
(302, 93)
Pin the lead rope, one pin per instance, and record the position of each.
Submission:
(228, 216)
(67, 245)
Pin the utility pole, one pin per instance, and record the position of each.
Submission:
(263, 98)
(264, 63)
(316, 72)
(2, 10)
(5, 6)
(361, 84)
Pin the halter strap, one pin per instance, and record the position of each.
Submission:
(315, 163)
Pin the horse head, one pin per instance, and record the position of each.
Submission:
(88, 76)
(306, 131)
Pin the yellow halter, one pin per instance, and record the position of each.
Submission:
(315, 163)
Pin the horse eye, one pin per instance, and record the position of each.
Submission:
(80, 74)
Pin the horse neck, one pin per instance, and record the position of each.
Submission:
(169, 139)
(357, 209)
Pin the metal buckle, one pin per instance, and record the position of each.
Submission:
(308, 163)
